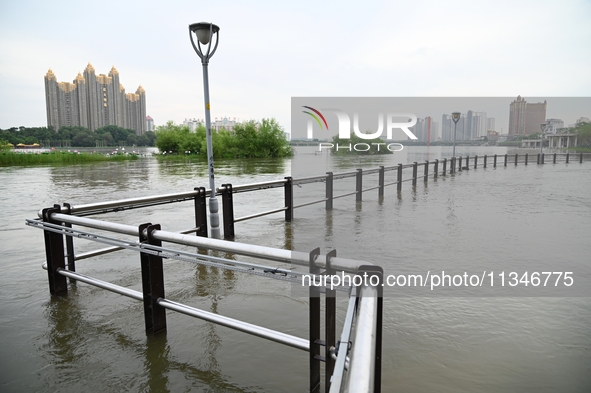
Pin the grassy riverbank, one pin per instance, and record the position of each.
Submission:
(8, 158)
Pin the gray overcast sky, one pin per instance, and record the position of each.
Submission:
(270, 51)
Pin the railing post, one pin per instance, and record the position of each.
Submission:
(495, 161)
(426, 171)
(554, 159)
(460, 164)
(228, 211)
(54, 253)
(435, 168)
(505, 162)
(475, 161)
(467, 162)
(526, 157)
(288, 195)
(542, 158)
(414, 174)
(314, 322)
(567, 157)
(539, 158)
(70, 256)
(581, 159)
(485, 161)
(329, 190)
(152, 281)
(399, 178)
(200, 212)
(358, 184)
(516, 158)
(381, 182)
(329, 324)
(452, 164)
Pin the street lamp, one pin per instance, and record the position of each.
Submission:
(455, 117)
(543, 127)
(205, 33)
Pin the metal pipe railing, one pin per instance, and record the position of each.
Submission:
(176, 197)
(102, 284)
(107, 250)
(279, 210)
(236, 324)
(281, 255)
(255, 186)
(343, 347)
(231, 323)
(362, 363)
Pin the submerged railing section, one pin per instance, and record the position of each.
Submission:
(347, 365)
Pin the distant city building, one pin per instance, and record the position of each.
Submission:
(426, 130)
(583, 120)
(93, 101)
(448, 127)
(524, 118)
(553, 125)
(476, 125)
(224, 123)
(149, 124)
(490, 124)
(193, 124)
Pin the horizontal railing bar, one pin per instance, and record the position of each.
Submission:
(345, 174)
(344, 195)
(96, 253)
(312, 179)
(281, 209)
(236, 324)
(371, 171)
(102, 284)
(311, 203)
(390, 184)
(107, 250)
(371, 188)
(275, 254)
(255, 186)
(133, 201)
(255, 330)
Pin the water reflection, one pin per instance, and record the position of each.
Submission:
(86, 351)
(196, 167)
(120, 175)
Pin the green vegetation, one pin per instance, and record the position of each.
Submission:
(8, 158)
(247, 140)
(583, 132)
(376, 146)
(77, 136)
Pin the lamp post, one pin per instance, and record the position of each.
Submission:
(455, 117)
(543, 127)
(205, 33)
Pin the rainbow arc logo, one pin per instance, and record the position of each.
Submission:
(316, 112)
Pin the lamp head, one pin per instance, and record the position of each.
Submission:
(202, 31)
(456, 116)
